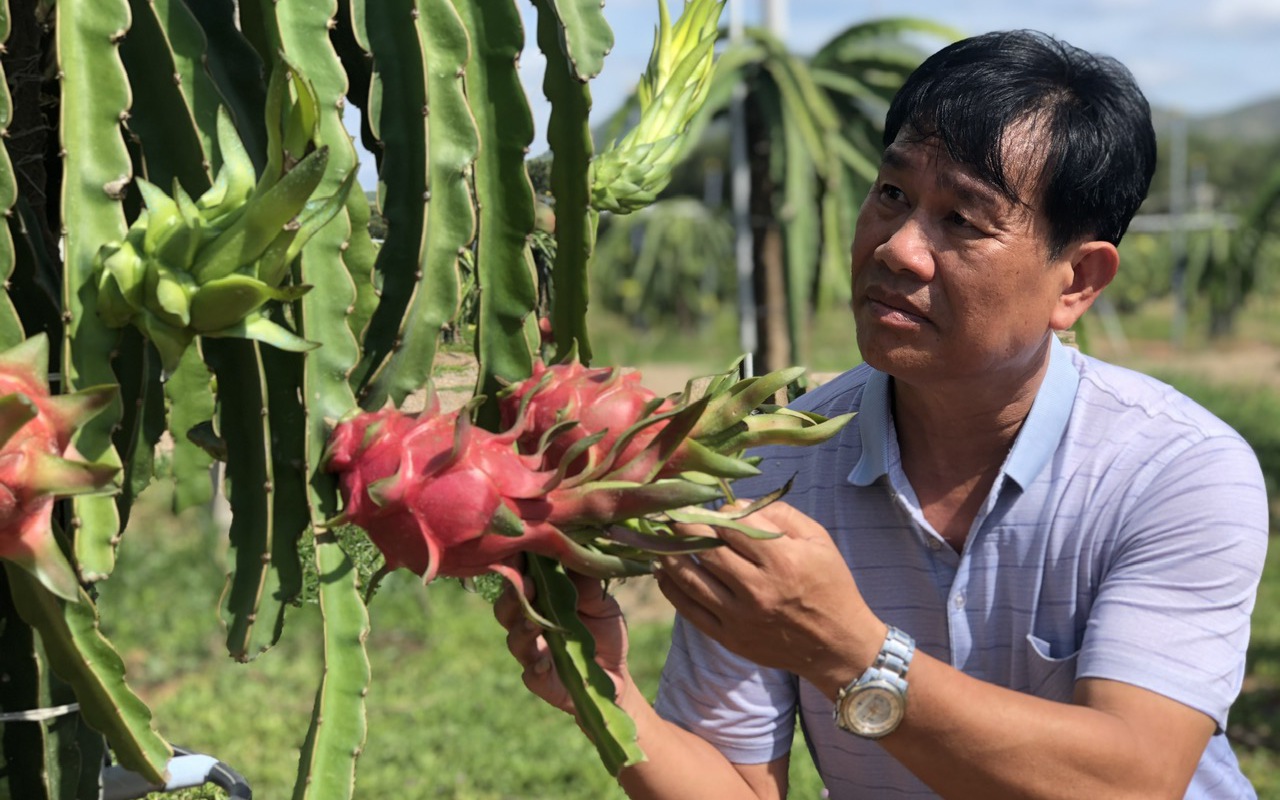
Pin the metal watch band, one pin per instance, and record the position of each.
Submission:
(895, 654)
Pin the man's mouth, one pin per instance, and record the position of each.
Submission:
(886, 305)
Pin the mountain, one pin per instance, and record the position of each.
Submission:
(1255, 122)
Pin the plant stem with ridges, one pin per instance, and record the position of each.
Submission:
(191, 403)
(137, 366)
(326, 768)
(172, 142)
(396, 107)
(31, 764)
(10, 325)
(236, 70)
(584, 35)
(245, 425)
(569, 135)
(362, 254)
(96, 163)
(453, 143)
(506, 335)
(82, 657)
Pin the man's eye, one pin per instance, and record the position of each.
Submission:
(956, 218)
(891, 192)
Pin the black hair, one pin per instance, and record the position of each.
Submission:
(1092, 122)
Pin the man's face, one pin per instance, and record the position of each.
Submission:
(951, 280)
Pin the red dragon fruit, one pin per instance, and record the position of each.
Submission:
(39, 464)
(581, 472)
(604, 400)
(434, 492)
(569, 403)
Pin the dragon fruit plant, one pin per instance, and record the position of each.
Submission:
(176, 184)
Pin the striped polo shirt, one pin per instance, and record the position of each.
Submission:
(1123, 539)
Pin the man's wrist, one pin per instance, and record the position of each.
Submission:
(856, 654)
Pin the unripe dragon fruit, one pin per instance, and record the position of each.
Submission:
(38, 463)
(583, 472)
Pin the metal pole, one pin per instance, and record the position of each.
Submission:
(1178, 239)
(775, 18)
(740, 186)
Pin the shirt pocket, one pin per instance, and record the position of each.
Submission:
(1049, 677)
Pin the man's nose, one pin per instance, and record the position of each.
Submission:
(908, 249)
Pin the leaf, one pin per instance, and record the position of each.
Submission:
(573, 651)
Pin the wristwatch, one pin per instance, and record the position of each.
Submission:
(874, 704)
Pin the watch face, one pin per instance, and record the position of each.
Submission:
(873, 710)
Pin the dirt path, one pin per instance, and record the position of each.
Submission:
(1245, 364)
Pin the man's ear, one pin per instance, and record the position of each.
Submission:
(1093, 266)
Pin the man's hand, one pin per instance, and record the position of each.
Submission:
(788, 602)
(603, 618)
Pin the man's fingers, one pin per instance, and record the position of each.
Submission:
(685, 604)
(695, 585)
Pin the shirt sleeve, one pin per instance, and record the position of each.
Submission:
(745, 711)
(1172, 614)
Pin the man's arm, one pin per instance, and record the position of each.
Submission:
(683, 765)
(963, 737)
(969, 739)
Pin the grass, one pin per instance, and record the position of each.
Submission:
(448, 716)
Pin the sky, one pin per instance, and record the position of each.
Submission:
(1194, 56)
(1197, 56)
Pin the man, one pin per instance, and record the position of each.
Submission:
(1020, 572)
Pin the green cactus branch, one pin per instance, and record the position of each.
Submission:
(507, 332)
(95, 99)
(143, 421)
(569, 135)
(255, 603)
(28, 751)
(191, 408)
(82, 657)
(10, 325)
(583, 35)
(161, 110)
(395, 87)
(236, 71)
(326, 768)
(433, 287)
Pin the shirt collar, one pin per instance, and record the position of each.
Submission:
(1036, 442)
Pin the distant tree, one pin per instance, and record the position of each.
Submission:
(1237, 261)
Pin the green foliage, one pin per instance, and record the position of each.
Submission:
(670, 263)
(1146, 271)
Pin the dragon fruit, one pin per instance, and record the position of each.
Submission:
(598, 400)
(38, 463)
(590, 468)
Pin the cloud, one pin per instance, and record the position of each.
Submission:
(1244, 15)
